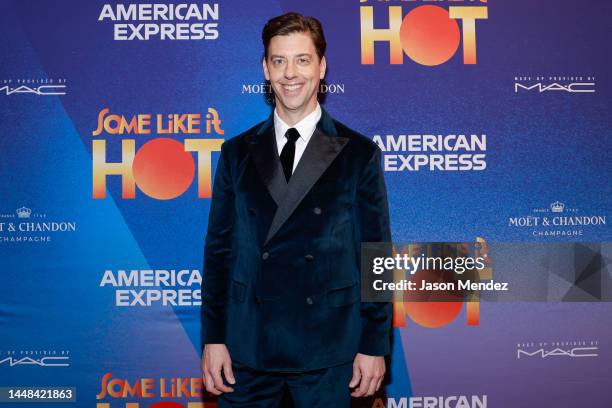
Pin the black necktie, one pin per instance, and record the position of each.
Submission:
(288, 152)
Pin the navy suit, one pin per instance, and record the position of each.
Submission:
(281, 283)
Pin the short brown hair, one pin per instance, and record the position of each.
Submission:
(291, 23)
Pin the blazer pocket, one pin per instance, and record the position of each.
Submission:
(345, 295)
(238, 290)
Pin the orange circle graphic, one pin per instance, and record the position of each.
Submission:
(433, 308)
(163, 169)
(429, 36)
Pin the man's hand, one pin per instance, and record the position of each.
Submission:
(368, 372)
(214, 359)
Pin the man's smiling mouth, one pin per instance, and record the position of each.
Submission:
(292, 87)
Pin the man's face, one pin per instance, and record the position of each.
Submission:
(294, 71)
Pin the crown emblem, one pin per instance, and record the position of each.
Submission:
(557, 207)
(23, 212)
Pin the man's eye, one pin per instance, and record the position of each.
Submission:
(277, 61)
(303, 60)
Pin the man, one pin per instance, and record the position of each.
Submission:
(293, 198)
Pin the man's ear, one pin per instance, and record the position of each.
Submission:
(322, 67)
(264, 64)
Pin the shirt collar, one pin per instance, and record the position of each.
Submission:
(305, 127)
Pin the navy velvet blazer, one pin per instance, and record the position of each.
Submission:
(281, 283)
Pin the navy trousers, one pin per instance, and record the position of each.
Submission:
(326, 387)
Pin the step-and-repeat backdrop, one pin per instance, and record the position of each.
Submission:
(493, 117)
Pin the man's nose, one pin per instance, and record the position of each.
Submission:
(290, 70)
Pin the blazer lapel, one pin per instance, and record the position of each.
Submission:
(267, 161)
(321, 150)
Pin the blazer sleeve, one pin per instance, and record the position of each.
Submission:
(373, 216)
(218, 253)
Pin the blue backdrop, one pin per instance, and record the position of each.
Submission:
(485, 131)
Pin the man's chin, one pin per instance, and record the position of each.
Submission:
(292, 106)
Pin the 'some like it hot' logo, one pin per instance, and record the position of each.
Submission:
(163, 168)
(435, 309)
(427, 34)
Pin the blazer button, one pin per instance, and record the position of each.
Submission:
(265, 255)
(252, 211)
(309, 257)
(317, 210)
(309, 300)
(258, 300)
